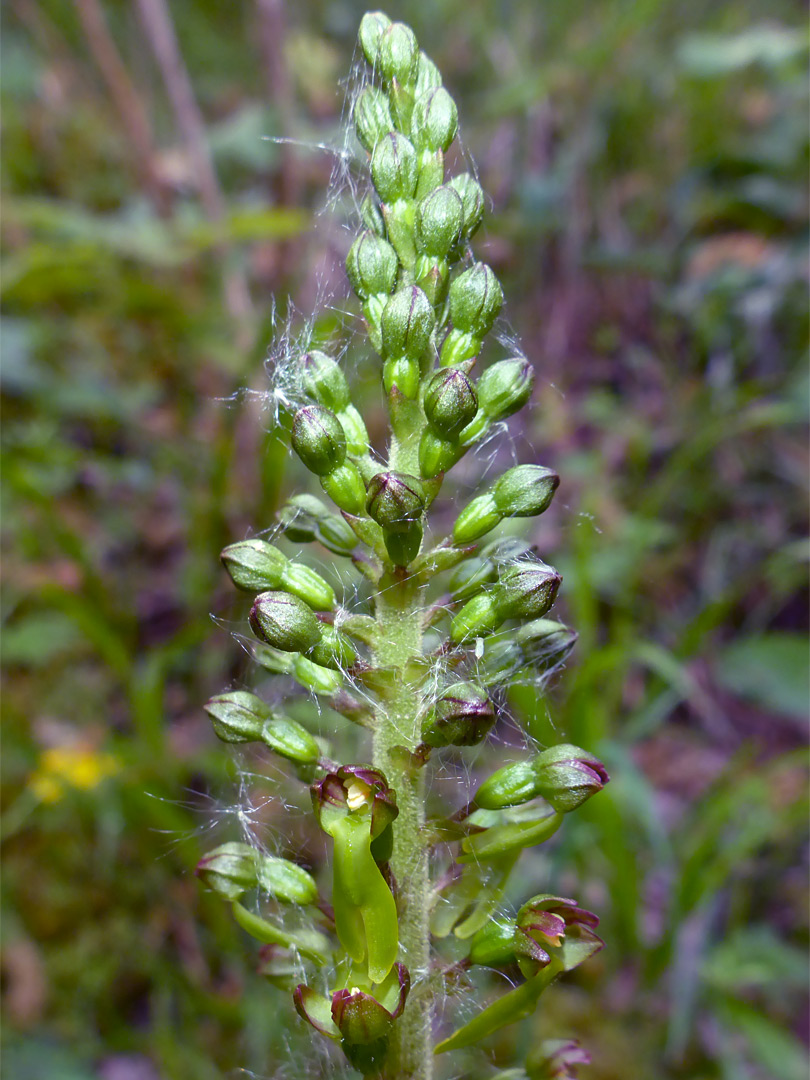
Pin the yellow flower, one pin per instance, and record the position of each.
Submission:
(61, 767)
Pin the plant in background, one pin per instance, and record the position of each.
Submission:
(421, 661)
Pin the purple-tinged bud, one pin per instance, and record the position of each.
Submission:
(361, 1018)
(285, 622)
(525, 490)
(439, 217)
(568, 776)
(233, 868)
(372, 27)
(472, 201)
(450, 402)
(394, 168)
(318, 439)
(462, 716)
(372, 117)
(372, 266)
(395, 500)
(434, 122)
(398, 55)
(527, 590)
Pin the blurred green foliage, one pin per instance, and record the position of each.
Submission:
(648, 165)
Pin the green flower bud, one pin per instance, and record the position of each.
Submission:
(305, 518)
(238, 716)
(476, 519)
(372, 266)
(429, 76)
(567, 776)
(527, 590)
(255, 565)
(372, 117)
(334, 650)
(318, 439)
(345, 487)
(398, 55)
(537, 647)
(472, 201)
(525, 490)
(439, 218)
(478, 617)
(323, 381)
(395, 500)
(476, 299)
(434, 122)
(505, 387)
(285, 622)
(406, 327)
(394, 168)
(290, 740)
(462, 716)
(450, 402)
(372, 27)
(233, 868)
(494, 944)
(371, 216)
(509, 786)
(437, 454)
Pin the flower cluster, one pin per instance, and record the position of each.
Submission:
(448, 624)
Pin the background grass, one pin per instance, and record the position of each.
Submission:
(647, 165)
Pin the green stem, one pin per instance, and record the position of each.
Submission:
(399, 619)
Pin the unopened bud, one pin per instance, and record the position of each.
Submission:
(434, 122)
(527, 590)
(395, 500)
(285, 622)
(407, 323)
(429, 76)
(305, 518)
(333, 650)
(372, 27)
(462, 716)
(394, 168)
(505, 387)
(238, 716)
(439, 217)
(567, 776)
(525, 490)
(476, 298)
(318, 439)
(511, 785)
(450, 402)
(398, 54)
(344, 486)
(372, 117)
(372, 266)
(255, 566)
(233, 868)
(323, 381)
(472, 201)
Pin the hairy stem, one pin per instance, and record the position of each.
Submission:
(397, 731)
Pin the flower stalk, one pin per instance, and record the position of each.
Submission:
(448, 624)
